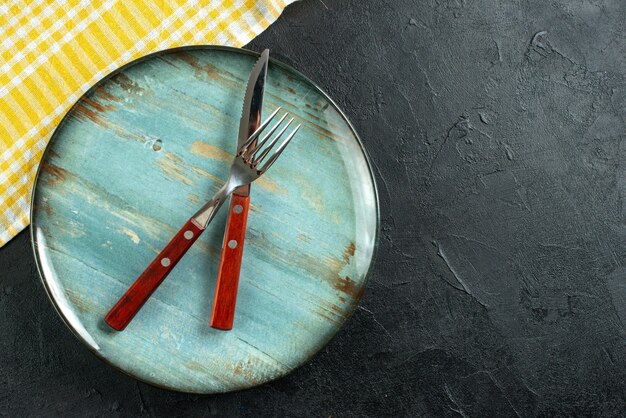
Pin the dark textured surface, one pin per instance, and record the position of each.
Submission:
(496, 130)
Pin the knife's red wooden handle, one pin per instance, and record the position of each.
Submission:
(230, 263)
(129, 304)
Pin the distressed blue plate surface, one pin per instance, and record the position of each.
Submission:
(138, 155)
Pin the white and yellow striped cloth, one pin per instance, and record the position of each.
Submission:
(51, 51)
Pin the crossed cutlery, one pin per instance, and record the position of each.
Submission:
(251, 162)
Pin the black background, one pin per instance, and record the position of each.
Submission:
(496, 130)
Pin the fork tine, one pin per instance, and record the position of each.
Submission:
(257, 160)
(280, 149)
(256, 133)
(268, 135)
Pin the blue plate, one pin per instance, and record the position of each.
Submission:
(137, 155)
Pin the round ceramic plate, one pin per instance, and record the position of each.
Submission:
(137, 156)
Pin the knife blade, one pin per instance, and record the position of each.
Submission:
(225, 297)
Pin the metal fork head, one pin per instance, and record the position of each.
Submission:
(245, 168)
(252, 158)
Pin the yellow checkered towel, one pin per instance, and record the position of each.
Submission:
(52, 51)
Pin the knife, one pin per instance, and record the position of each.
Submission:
(225, 298)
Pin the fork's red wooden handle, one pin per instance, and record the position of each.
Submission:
(129, 304)
(230, 263)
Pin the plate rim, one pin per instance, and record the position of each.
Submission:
(289, 68)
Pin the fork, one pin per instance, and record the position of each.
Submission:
(243, 170)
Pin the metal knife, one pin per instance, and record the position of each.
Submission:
(235, 233)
